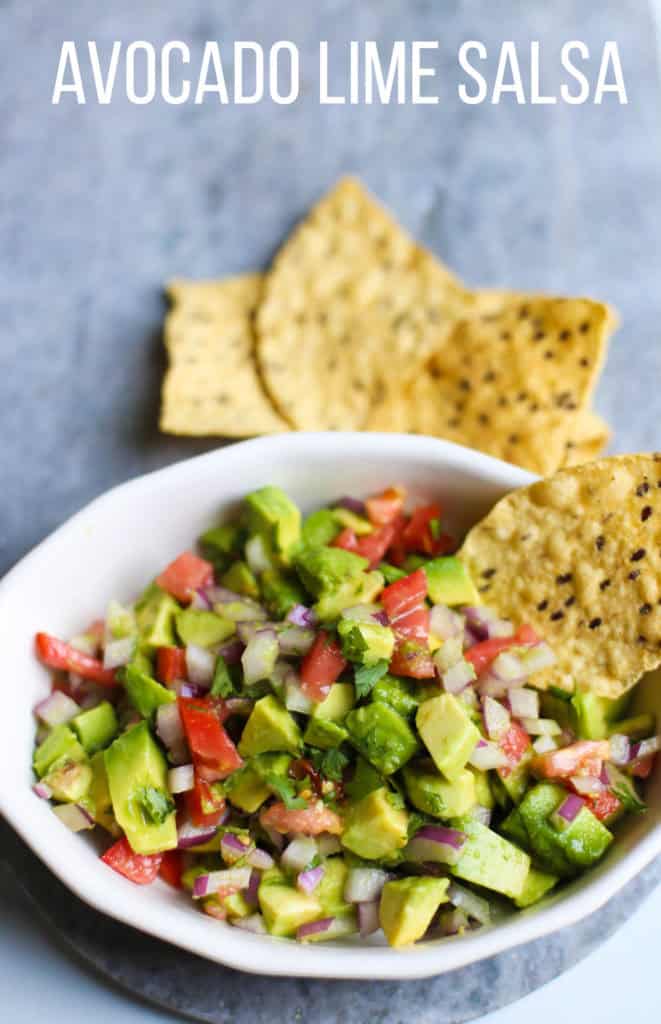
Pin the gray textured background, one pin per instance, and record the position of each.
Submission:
(100, 205)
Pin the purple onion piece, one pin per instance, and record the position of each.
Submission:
(352, 505)
(570, 807)
(251, 893)
(381, 618)
(307, 881)
(300, 615)
(232, 651)
(315, 927)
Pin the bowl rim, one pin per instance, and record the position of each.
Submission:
(239, 949)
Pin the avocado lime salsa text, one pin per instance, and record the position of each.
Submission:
(315, 729)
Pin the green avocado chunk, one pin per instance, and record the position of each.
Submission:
(323, 733)
(241, 579)
(407, 907)
(155, 611)
(202, 628)
(448, 733)
(535, 887)
(337, 704)
(489, 860)
(97, 727)
(404, 695)
(284, 908)
(376, 826)
(449, 582)
(593, 714)
(430, 793)
(365, 642)
(144, 693)
(270, 727)
(280, 592)
(221, 543)
(99, 794)
(69, 780)
(60, 743)
(319, 528)
(579, 845)
(138, 783)
(330, 891)
(336, 578)
(249, 791)
(382, 736)
(273, 515)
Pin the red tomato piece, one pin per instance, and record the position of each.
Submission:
(203, 805)
(171, 868)
(404, 595)
(136, 867)
(373, 546)
(309, 821)
(443, 545)
(482, 654)
(412, 659)
(321, 666)
(413, 625)
(59, 655)
(514, 744)
(397, 552)
(583, 758)
(605, 805)
(345, 539)
(185, 575)
(171, 664)
(418, 534)
(386, 507)
(214, 754)
(643, 768)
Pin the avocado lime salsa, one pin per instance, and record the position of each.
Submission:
(315, 729)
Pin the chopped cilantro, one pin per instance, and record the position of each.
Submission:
(629, 799)
(222, 685)
(286, 790)
(367, 676)
(154, 804)
(332, 764)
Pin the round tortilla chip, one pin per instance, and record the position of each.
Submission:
(578, 557)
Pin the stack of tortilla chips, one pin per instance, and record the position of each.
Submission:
(357, 327)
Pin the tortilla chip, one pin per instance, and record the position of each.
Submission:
(590, 435)
(212, 385)
(350, 296)
(578, 557)
(509, 382)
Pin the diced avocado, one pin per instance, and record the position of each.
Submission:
(535, 887)
(236, 906)
(143, 661)
(270, 727)
(483, 791)
(432, 794)
(490, 861)
(144, 693)
(543, 840)
(138, 784)
(69, 780)
(270, 513)
(330, 891)
(336, 578)
(155, 612)
(284, 908)
(60, 743)
(249, 791)
(448, 733)
(219, 544)
(203, 628)
(271, 764)
(352, 521)
(361, 589)
(515, 782)
(512, 826)
(343, 924)
(376, 826)
(407, 907)
(99, 793)
(366, 642)
(120, 621)
(241, 579)
(594, 714)
(322, 733)
(319, 528)
(560, 710)
(365, 780)
(638, 727)
(404, 695)
(413, 562)
(586, 840)
(336, 706)
(390, 572)
(382, 736)
(281, 591)
(97, 727)
(449, 582)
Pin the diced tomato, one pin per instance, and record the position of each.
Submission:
(321, 666)
(413, 625)
(514, 744)
(345, 539)
(310, 821)
(605, 805)
(444, 544)
(412, 659)
(171, 664)
(404, 595)
(481, 655)
(418, 534)
(136, 867)
(386, 507)
(583, 758)
(59, 655)
(373, 546)
(643, 768)
(171, 868)
(185, 575)
(214, 754)
(203, 805)
(397, 551)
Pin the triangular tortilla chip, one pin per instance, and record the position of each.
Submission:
(589, 436)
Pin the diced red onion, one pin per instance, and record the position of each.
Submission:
(118, 652)
(587, 785)
(43, 790)
(487, 756)
(436, 844)
(231, 652)
(295, 641)
(259, 657)
(315, 928)
(300, 615)
(201, 601)
(251, 895)
(364, 885)
(253, 923)
(186, 689)
(458, 677)
(307, 881)
(328, 845)
(75, 817)
(524, 703)
(257, 556)
(169, 726)
(544, 745)
(181, 779)
(368, 918)
(260, 859)
(645, 748)
(481, 814)
(381, 618)
(233, 849)
(200, 665)
(444, 623)
(620, 749)
(194, 835)
(508, 667)
(570, 807)
(479, 618)
(496, 718)
(535, 658)
(541, 726)
(221, 595)
(299, 854)
(56, 709)
(362, 613)
(471, 637)
(499, 628)
(354, 505)
(230, 878)
(475, 906)
(295, 699)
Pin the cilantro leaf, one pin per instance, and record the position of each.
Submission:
(332, 764)
(154, 804)
(222, 685)
(286, 790)
(367, 676)
(629, 799)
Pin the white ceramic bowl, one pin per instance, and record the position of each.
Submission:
(123, 539)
